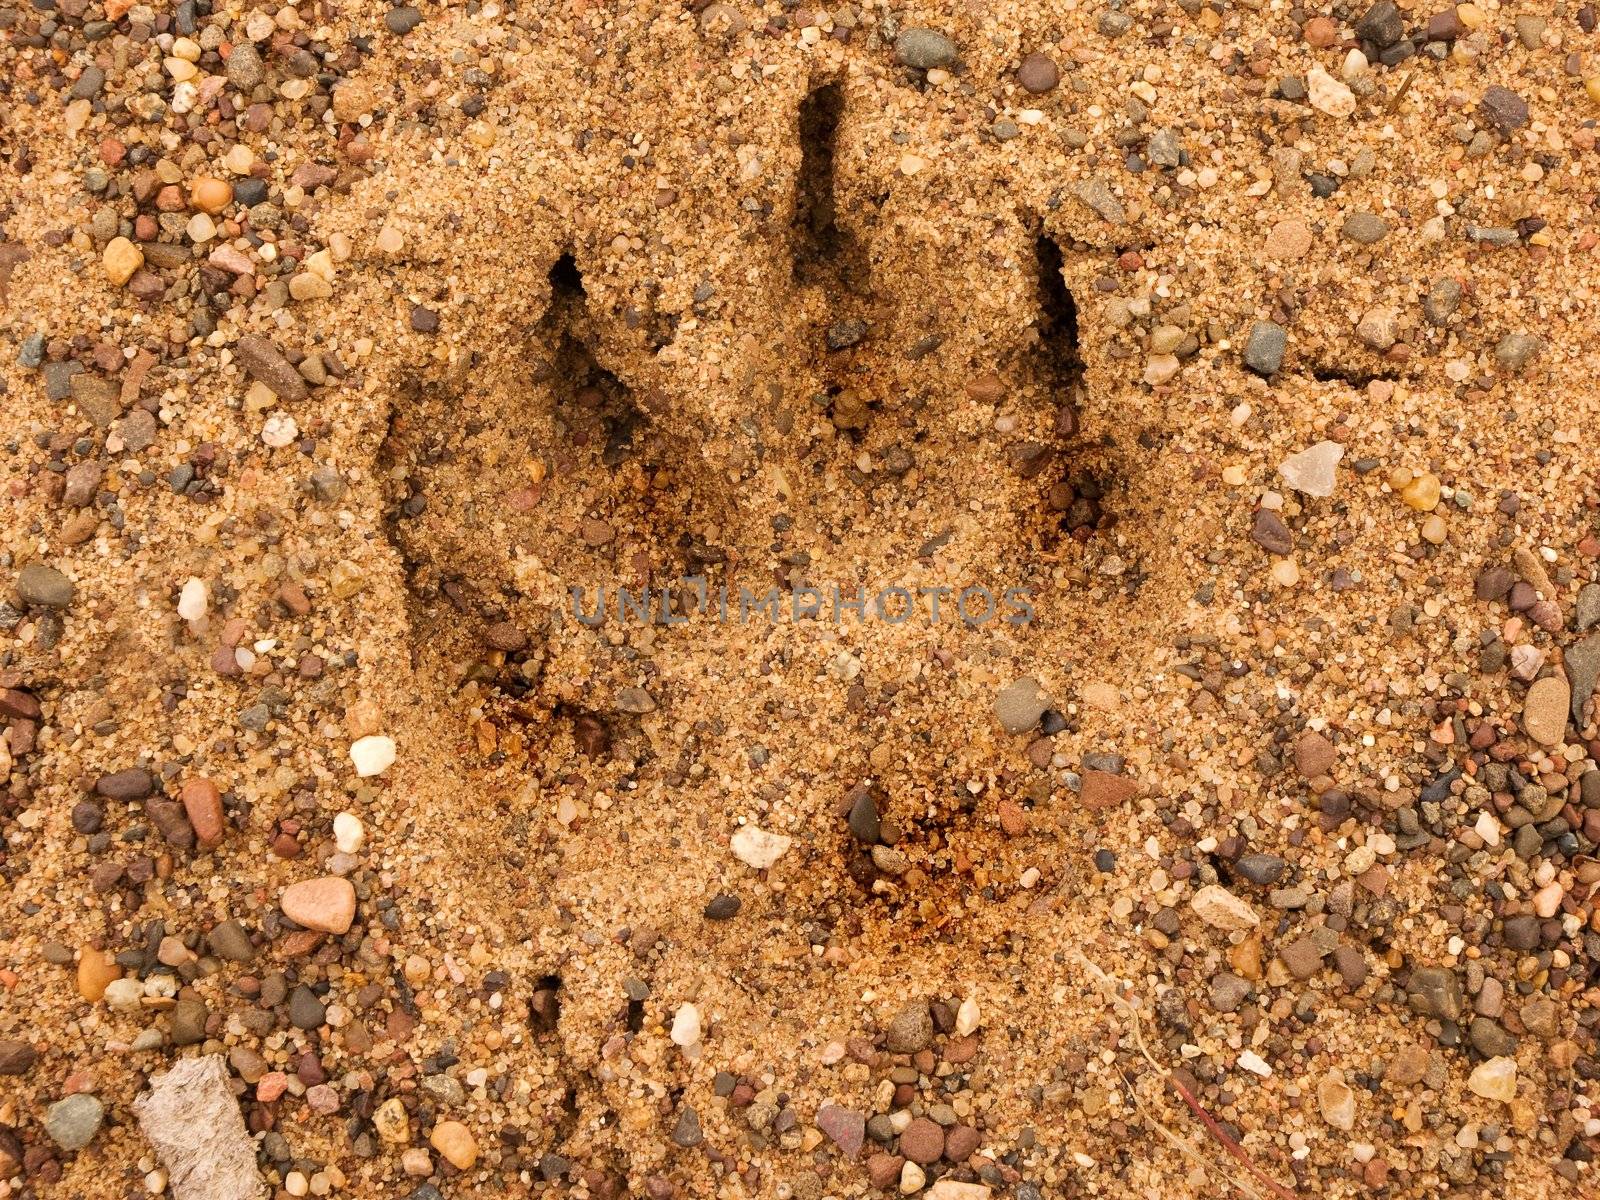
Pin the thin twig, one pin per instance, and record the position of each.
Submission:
(1108, 988)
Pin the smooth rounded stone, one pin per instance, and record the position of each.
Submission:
(1313, 471)
(44, 586)
(1314, 755)
(306, 1010)
(1364, 229)
(1221, 909)
(1583, 672)
(1337, 1101)
(863, 819)
(910, 1030)
(132, 783)
(186, 1024)
(1521, 932)
(349, 834)
(757, 848)
(922, 1141)
(924, 49)
(326, 904)
(202, 804)
(960, 1141)
(1269, 532)
(230, 940)
(1495, 1079)
(455, 1141)
(1545, 710)
(1020, 704)
(722, 907)
(1038, 73)
(1329, 95)
(16, 1058)
(97, 970)
(1263, 349)
(686, 1131)
(1261, 869)
(884, 1169)
(402, 19)
(73, 1122)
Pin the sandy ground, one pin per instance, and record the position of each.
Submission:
(1296, 820)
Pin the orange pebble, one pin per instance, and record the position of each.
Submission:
(210, 195)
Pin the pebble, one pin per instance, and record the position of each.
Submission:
(192, 599)
(349, 834)
(121, 258)
(372, 755)
(97, 970)
(1516, 350)
(1221, 909)
(1020, 704)
(16, 1058)
(73, 1122)
(244, 67)
(306, 1011)
(1328, 95)
(44, 586)
(1364, 228)
(1313, 470)
(127, 785)
(1314, 755)
(1289, 239)
(1583, 672)
(922, 1141)
(635, 700)
(1435, 992)
(202, 804)
(686, 1026)
(1269, 532)
(229, 940)
(1038, 73)
(326, 904)
(392, 1122)
(1263, 350)
(686, 1132)
(1261, 869)
(910, 1030)
(455, 1141)
(1337, 1101)
(402, 19)
(863, 818)
(847, 1129)
(1503, 109)
(757, 848)
(1545, 709)
(264, 361)
(924, 49)
(1495, 1079)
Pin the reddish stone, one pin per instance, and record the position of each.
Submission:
(1101, 790)
(1314, 755)
(202, 801)
(883, 1170)
(922, 1142)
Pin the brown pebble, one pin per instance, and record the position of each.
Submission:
(202, 801)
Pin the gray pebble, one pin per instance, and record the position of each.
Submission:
(911, 1029)
(1364, 228)
(924, 49)
(73, 1122)
(44, 586)
(1261, 869)
(306, 1011)
(1263, 350)
(231, 941)
(1020, 705)
(402, 20)
(1515, 349)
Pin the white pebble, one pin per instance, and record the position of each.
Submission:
(372, 755)
(968, 1017)
(348, 833)
(192, 599)
(279, 431)
(1253, 1062)
(757, 848)
(686, 1026)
